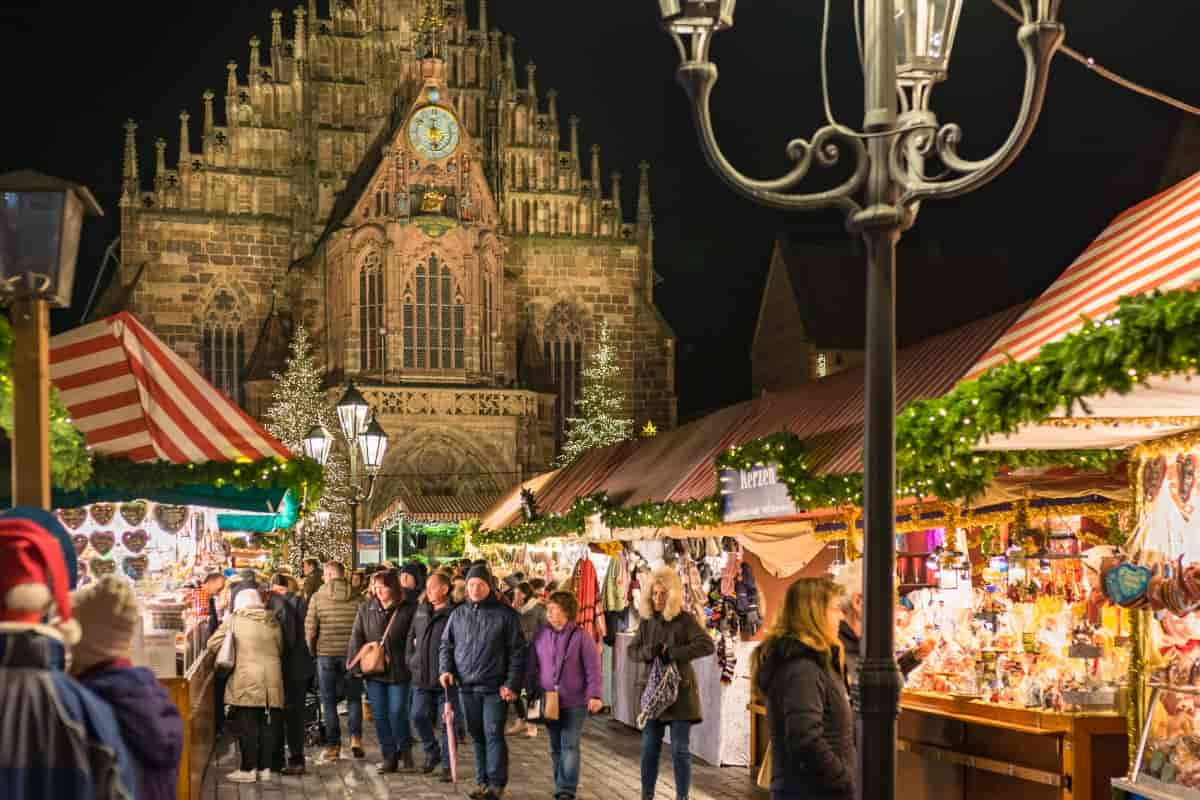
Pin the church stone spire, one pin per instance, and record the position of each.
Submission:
(643, 203)
(552, 105)
(299, 36)
(573, 124)
(130, 166)
(255, 58)
(595, 176)
(531, 84)
(185, 147)
(208, 111)
(160, 165)
(616, 197)
(483, 20)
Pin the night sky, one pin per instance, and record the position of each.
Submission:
(76, 73)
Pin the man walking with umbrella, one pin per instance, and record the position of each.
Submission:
(483, 652)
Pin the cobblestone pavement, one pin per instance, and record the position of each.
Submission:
(610, 772)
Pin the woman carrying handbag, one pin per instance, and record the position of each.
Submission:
(564, 675)
(377, 643)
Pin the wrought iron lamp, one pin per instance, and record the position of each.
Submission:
(365, 438)
(906, 51)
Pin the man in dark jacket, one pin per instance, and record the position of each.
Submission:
(298, 669)
(483, 653)
(312, 578)
(850, 628)
(424, 649)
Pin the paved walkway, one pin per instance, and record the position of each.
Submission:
(610, 772)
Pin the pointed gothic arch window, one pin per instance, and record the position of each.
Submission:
(434, 319)
(562, 340)
(222, 344)
(487, 337)
(370, 312)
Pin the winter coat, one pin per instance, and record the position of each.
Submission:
(483, 646)
(257, 678)
(684, 639)
(852, 652)
(580, 678)
(369, 626)
(59, 738)
(289, 611)
(425, 644)
(330, 619)
(312, 583)
(533, 617)
(810, 722)
(150, 724)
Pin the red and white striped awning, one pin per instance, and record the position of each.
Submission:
(1153, 245)
(132, 396)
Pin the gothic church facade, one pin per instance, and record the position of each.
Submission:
(383, 178)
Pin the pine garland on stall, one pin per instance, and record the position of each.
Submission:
(297, 404)
(599, 422)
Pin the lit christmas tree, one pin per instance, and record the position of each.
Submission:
(599, 406)
(297, 404)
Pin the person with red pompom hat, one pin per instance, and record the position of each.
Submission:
(61, 740)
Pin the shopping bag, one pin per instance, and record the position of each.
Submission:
(227, 655)
(451, 745)
(764, 771)
(662, 690)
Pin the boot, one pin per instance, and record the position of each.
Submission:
(480, 793)
(430, 765)
(445, 777)
(356, 747)
(495, 793)
(406, 761)
(389, 764)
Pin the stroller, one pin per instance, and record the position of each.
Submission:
(314, 724)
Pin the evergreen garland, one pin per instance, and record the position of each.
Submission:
(267, 473)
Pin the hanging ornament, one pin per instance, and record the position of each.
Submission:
(102, 542)
(1153, 474)
(133, 513)
(102, 513)
(134, 541)
(73, 517)
(135, 566)
(80, 540)
(171, 518)
(102, 566)
(1185, 466)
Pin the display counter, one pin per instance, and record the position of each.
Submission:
(192, 695)
(953, 749)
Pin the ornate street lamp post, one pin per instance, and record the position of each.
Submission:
(906, 50)
(365, 437)
(317, 446)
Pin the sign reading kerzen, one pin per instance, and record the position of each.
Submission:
(749, 494)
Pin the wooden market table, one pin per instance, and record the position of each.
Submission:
(192, 695)
(952, 748)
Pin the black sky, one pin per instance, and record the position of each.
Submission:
(77, 72)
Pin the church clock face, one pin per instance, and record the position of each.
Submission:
(433, 132)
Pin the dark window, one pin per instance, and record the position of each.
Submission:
(222, 345)
(433, 319)
(370, 313)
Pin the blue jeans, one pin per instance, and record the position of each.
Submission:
(337, 683)
(681, 755)
(486, 715)
(427, 705)
(389, 706)
(564, 748)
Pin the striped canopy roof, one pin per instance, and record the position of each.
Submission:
(133, 397)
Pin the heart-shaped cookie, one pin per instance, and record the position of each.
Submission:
(102, 566)
(1152, 476)
(133, 513)
(103, 541)
(135, 566)
(134, 541)
(73, 517)
(1185, 466)
(1126, 584)
(102, 513)
(171, 518)
(80, 540)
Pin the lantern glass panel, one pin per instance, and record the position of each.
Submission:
(924, 37)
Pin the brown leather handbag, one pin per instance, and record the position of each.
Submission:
(372, 658)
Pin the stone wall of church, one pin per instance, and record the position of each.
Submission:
(189, 258)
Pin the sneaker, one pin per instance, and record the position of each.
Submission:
(243, 776)
(480, 793)
(356, 748)
(342, 709)
(264, 776)
(331, 754)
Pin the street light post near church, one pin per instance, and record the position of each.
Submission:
(365, 437)
(905, 50)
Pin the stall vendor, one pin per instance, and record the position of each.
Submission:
(850, 578)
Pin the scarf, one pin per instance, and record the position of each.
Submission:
(587, 591)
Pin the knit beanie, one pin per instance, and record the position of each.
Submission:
(108, 613)
(480, 571)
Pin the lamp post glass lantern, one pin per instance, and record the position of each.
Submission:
(364, 439)
(906, 49)
(374, 443)
(352, 411)
(317, 444)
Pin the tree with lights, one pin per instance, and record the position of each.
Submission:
(297, 404)
(600, 403)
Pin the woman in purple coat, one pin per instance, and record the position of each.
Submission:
(563, 657)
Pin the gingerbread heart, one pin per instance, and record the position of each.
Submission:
(1185, 466)
(103, 541)
(1152, 476)
(102, 513)
(135, 566)
(133, 513)
(102, 566)
(80, 540)
(134, 541)
(73, 517)
(171, 518)
(1126, 584)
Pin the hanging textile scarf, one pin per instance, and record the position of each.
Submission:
(616, 579)
(587, 591)
(731, 572)
(726, 656)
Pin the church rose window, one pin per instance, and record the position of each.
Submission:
(434, 321)
(370, 313)
(563, 343)
(222, 346)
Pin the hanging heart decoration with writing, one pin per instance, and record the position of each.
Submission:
(103, 541)
(171, 518)
(73, 517)
(1152, 476)
(134, 541)
(102, 566)
(1126, 584)
(133, 513)
(1185, 465)
(80, 540)
(135, 566)
(102, 513)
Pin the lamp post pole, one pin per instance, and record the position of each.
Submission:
(31, 402)
(354, 501)
(880, 199)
